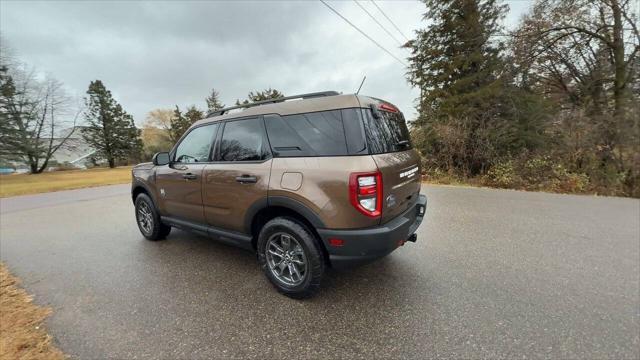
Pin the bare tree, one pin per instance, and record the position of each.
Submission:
(156, 132)
(32, 113)
(574, 40)
(159, 118)
(586, 53)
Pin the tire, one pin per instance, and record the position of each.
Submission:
(303, 248)
(150, 224)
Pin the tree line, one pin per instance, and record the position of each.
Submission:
(551, 105)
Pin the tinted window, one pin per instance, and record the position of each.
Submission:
(311, 134)
(389, 133)
(195, 147)
(243, 140)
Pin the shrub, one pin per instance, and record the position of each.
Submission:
(537, 173)
(503, 175)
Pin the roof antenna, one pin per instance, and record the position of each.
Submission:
(363, 79)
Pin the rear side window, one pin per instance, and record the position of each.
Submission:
(310, 134)
(243, 140)
(389, 133)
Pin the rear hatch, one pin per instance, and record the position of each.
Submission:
(389, 144)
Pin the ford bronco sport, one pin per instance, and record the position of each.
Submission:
(308, 182)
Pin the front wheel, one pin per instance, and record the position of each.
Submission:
(148, 219)
(290, 257)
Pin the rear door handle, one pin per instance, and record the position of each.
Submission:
(246, 179)
(189, 176)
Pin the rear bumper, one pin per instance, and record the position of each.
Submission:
(365, 245)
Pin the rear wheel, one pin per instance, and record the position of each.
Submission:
(290, 257)
(148, 219)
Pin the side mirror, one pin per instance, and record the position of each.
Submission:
(161, 158)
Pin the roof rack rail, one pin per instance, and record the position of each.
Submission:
(272, 101)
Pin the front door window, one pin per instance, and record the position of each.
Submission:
(196, 146)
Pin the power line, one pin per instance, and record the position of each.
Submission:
(392, 23)
(363, 33)
(377, 22)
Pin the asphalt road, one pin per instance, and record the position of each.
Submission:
(493, 274)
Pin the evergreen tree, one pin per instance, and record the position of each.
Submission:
(10, 109)
(454, 61)
(213, 101)
(180, 122)
(178, 125)
(457, 63)
(261, 96)
(111, 131)
(193, 114)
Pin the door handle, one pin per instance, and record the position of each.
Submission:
(189, 176)
(246, 179)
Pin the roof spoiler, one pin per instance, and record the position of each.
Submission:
(272, 101)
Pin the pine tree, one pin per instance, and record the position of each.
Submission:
(264, 95)
(111, 131)
(177, 125)
(260, 96)
(456, 62)
(10, 138)
(193, 114)
(180, 122)
(213, 101)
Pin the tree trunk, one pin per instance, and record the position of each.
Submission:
(43, 167)
(112, 162)
(33, 164)
(618, 54)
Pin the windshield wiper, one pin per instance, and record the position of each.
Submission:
(403, 143)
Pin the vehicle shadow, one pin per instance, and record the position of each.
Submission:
(226, 269)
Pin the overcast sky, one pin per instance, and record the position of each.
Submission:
(158, 54)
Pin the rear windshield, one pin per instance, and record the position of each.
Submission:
(389, 133)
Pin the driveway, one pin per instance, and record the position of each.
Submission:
(494, 273)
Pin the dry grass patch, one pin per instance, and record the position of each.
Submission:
(22, 334)
(21, 184)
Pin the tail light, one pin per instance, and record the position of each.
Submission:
(365, 193)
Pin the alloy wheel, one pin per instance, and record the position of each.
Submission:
(145, 217)
(286, 259)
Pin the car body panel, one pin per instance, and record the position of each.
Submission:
(180, 197)
(225, 199)
(400, 181)
(324, 187)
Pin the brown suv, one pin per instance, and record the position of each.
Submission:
(306, 181)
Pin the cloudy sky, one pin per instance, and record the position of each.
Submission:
(158, 54)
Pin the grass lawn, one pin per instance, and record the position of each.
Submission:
(20, 184)
(22, 335)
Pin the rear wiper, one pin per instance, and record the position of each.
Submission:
(403, 143)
